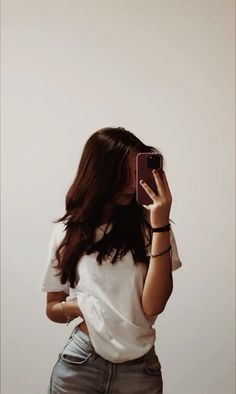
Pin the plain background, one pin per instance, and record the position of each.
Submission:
(165, 71)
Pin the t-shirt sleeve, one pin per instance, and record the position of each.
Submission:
(176, 262)
(50, 282)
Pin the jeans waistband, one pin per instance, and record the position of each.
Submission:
(81, 334)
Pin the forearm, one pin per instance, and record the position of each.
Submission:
(57, 314)
(159, 282)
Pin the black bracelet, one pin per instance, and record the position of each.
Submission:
(159, 254)
(161, 229)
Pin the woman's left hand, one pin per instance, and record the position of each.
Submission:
(160, 209)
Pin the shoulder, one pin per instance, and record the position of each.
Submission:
(58, 231)
(57, 235)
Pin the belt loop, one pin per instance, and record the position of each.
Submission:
(74, 330)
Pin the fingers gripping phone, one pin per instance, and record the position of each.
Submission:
(145, 163)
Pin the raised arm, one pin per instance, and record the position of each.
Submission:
(158, 284)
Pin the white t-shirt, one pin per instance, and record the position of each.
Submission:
(109, 296)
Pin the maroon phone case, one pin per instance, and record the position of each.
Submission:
(145, 173)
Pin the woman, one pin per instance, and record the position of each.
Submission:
(109, 267)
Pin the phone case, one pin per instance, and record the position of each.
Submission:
(145, 173)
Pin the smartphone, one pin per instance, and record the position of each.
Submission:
(145, 163)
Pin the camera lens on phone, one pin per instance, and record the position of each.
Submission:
(154, 161)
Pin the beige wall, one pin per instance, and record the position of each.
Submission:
(164, 70)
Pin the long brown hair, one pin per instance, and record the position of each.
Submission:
(101, 173)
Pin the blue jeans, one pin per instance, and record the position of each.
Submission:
(80, 370)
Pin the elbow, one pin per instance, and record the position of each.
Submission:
(153, 309)
(154, 313)
(49, 313)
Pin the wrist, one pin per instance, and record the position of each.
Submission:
(162, 237)
(160, 223)
(161, 228)
(65, 313)
(160, 242)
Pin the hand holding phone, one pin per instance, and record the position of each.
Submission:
(154, 192)
(145, 163)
